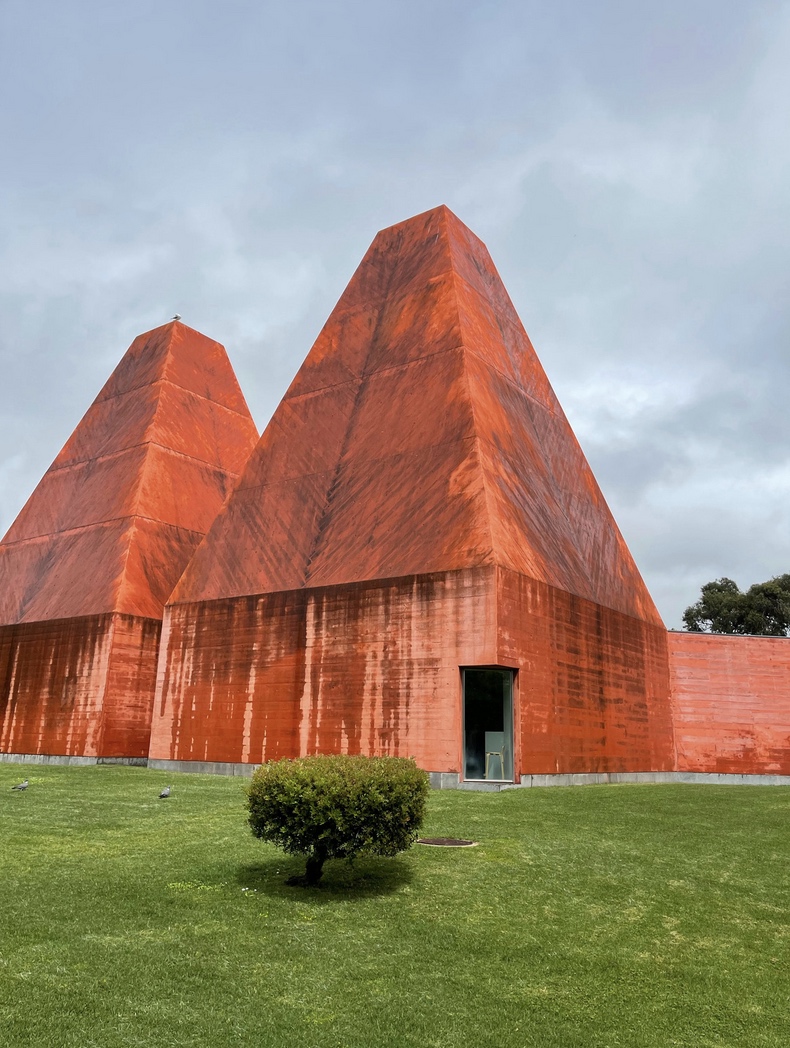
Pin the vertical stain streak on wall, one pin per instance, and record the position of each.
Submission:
(381, 672)
(163, 669)
(243, 679)
(95, 552)
(130, 685)
(9, 655)
(55, 696)
(370, 667)
(311, 686)
(731, 703)
(87, 688)
(246, 738)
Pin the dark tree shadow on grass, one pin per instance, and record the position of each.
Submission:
(362, 879)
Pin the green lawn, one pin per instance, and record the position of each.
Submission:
(590, 917)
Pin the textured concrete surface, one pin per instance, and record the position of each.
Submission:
(79, 686)
(417, 504)
(375, 668)
(443, 780)
(47, 758)
(369, 668)
(120, 511)
(98, 547)
(420, 435)
(731, 703)
(657, 777)
(592, 686)
(203, 767)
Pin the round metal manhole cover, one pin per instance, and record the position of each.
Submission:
(446, 842)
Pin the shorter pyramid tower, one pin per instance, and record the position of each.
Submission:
(418, 508)
(89, 562)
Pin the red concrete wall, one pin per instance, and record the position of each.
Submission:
(368, 668)
(731, 703)
(78, 687)
(593, 683)
(54, 675)
(130, 687)
(374, 668)
(420, 440)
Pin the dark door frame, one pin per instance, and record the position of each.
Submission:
(514, 696)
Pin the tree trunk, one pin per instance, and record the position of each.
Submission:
(315, 868)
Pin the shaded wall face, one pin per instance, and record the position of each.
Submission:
(731, 703)
(78, 687)
(367, 668)
(593, 686)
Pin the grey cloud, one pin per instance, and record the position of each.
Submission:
(625, 165)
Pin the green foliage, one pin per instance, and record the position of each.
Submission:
(764, 609)
(337, 807)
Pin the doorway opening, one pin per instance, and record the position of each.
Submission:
(488, 724)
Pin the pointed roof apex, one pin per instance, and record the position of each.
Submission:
(439, 213)
(176, 353)
(411, 256)
(420, 434)
(440, 219)
(122, 508)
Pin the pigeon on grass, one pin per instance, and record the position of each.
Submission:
(165, 793)
(21, 785)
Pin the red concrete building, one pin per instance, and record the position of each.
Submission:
(417, 559)
(90, 561)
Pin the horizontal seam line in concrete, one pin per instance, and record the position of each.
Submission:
(175, 385)
(372, 583)
(368, 461)
(133, 447)
(100, 524)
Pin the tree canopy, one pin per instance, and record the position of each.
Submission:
(337, 807)
(763, 609)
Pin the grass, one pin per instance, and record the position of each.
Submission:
(596, 917)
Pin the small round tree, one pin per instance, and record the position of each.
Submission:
(337, 807)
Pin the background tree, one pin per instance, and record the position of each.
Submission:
(764, 609)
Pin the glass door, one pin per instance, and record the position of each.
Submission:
(488, 724)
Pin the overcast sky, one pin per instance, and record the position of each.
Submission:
(626, 164)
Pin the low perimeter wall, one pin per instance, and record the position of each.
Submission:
(730, 703)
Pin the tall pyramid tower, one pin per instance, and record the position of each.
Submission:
(88, 564)
(417, 510)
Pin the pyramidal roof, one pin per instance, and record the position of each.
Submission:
(420, 435)
(117, 515)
